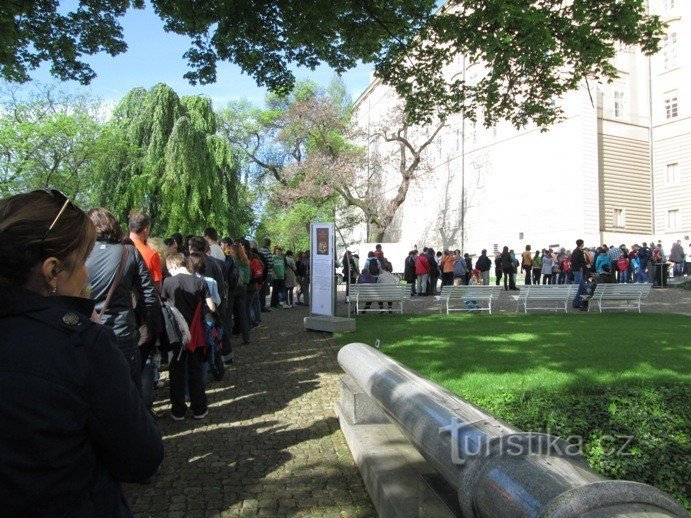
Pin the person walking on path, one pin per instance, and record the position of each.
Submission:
(676, 255)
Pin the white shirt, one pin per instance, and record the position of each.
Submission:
(216, 252)
(386, 278)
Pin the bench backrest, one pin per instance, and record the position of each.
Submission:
(547, 292)
(623, 290)
(383, 292)
(467, 292)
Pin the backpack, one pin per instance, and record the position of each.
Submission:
(373, 266)
(232, 275)
(657, 256)
(623, 263)
(177, 332)
(566, 265)
(256, 270)
(459, 267)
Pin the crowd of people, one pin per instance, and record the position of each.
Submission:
(90, 314)
(426, 271)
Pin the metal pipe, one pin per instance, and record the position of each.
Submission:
(496, 469)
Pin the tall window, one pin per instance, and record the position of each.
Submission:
(669, 4)
(619, 218)
(671, 105)
(673, 221)
(619, 104)
(672, 173)
(669, 51)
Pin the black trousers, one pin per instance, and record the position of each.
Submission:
(278, 287)
(447, 278)
(528, 271)
(536, 275)
(192, 361)
(241, 324)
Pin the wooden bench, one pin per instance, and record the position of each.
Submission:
(557, 294)
(630, 294)
(361, 294)
(469, 298)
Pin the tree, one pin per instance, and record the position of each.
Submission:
(174, 165)
(534, 50)
(52, 139)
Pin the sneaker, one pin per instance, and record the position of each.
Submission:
(177, 418)
(201, 416)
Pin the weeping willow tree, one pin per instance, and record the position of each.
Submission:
(174, 166)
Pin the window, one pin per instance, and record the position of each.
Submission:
(619, 218)
(672, 173)
(619, 104)
(673, 219)
(669, 51)
(671, 105)
(669, 4)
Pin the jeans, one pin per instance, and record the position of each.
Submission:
(278, 286)
(624, 276)
(412, 287)
(240, 322)
(289, 295)
(263, 292)
(433, 284)
(547, 279)
(510, 279)
(536, 275)
(422, 284)
(485, 278)
(192, 362)
(578, 278)
(255, 308)
(561, 279)
(641, 276)
(498, 275)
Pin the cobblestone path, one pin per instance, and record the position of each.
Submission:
(271, 444)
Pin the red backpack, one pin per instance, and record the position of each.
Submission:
(256, 269)
(623, 264)
(566, 265)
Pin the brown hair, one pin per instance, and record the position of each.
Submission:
(107, 226)
(196, 263)
(139, 221)
(24, 221)
(176, 261)
(241, 254)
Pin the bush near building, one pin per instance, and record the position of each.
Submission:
(597, 379)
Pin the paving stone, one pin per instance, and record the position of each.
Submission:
(271, 444)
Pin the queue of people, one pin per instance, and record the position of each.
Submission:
(90, 314)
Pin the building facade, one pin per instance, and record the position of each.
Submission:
(616, 170)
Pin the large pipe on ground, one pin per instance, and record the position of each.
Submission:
(497, 470)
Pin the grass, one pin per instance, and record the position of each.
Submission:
(586, 375)
(479, 355)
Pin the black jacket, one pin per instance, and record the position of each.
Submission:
(73, 424)
(409, 269)
(136, 279)
(483, 263)
(507, 264)
(578, 263)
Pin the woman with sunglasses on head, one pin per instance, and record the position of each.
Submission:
(73, 425)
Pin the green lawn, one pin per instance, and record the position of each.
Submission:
(586, 375)
(480, 355)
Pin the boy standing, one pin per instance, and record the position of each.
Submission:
(186, 292)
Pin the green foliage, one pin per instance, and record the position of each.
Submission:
(535, 50)
(51, 139)
(174, 166)
(289, 226)
(599, 377)
(640, 432)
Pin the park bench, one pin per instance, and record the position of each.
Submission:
(552, 297)
(629, 294)
(361, 294)
(459, 298)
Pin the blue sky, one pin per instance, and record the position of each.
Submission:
(155, 56)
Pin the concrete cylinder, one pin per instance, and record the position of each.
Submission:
(497, 470)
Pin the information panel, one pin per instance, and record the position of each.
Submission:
(322, 292)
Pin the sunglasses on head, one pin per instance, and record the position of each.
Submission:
(61, 198)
